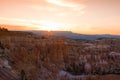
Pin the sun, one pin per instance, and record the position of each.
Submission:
(49, 28)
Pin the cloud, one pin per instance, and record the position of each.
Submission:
(59, 8)
(19, 20)
(22, 22)
(41, 12)
(33, 24)
(61, 3)
(67, 4)
(58, 4)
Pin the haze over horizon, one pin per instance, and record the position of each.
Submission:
(79, 16)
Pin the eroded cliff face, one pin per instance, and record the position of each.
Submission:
(51, 58)
(38, 58)
(98, 57)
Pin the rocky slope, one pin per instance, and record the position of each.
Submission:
(26, 56)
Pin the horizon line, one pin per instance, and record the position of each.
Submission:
(4, 25)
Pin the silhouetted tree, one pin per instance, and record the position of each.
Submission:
(2, 29)
(23, 75)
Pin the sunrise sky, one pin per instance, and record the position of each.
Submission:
(80, 16)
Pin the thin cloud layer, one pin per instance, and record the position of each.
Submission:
(75, 15)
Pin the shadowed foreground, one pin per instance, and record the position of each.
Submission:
(25, 56)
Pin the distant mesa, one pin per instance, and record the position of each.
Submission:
(64, 34)
(69, 34)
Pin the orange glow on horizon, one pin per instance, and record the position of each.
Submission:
(48, 28)
(79, 16)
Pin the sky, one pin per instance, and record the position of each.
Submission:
(79, 16)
